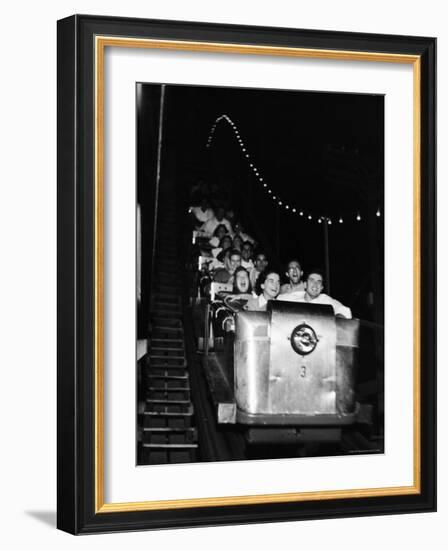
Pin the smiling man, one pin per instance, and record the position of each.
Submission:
(294, 274)
(313, 295)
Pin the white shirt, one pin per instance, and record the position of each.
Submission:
(287, 288)
(259, 303)
(215, 264)
(202, 215)
(246, 237)
(210, 225)
(214, 241)
(324, 299)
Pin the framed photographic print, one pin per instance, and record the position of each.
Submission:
(246, 274)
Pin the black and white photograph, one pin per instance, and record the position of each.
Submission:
(260, 274)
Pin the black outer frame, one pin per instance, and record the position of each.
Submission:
(75, 403)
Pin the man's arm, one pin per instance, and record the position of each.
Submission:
(340, 309)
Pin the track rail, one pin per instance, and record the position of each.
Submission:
(167, 429)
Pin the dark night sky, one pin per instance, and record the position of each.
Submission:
(320, 152)
(288, 134)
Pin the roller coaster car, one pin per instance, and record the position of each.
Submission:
(293, 365)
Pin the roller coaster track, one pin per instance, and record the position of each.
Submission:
(176, 424)
(168, 430)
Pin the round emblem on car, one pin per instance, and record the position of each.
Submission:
(303, 339)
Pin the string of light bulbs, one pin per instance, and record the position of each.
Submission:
(256, 172)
